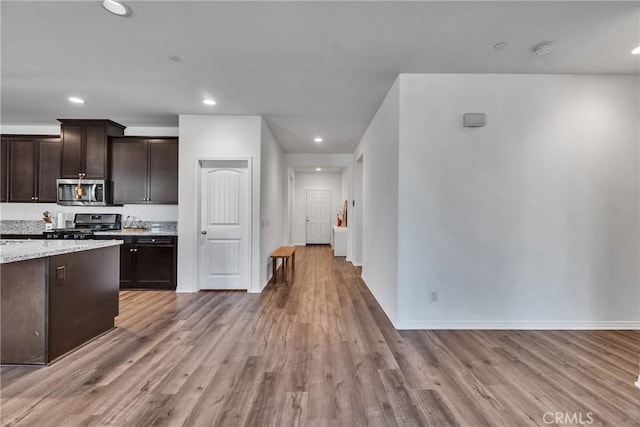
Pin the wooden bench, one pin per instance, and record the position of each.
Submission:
(286, 253)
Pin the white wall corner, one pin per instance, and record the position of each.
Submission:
(259, 291)
(380, 303)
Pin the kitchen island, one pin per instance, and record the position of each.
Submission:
(55, 295)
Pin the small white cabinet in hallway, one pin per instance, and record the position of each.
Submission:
(339, 240)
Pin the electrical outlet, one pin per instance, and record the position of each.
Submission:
(434, 296)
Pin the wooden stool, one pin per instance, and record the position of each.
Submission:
(284, 252)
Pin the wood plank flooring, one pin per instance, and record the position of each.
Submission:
(320, 352)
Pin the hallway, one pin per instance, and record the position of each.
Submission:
(319, 351)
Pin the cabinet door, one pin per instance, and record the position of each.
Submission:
(96, 151)
(22, 172)
(129, 170)
(71, 150)
(155, 267)
(4, 173)
(49, 159)
(163, 171)
(127, 266)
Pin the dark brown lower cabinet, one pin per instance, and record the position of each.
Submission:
(83, 298)
(147, 262)
(155, 266)
(127, 266)
(50, 306)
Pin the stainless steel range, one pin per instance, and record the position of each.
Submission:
(85, 226)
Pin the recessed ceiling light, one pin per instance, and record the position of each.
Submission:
(76, 100)
(541, 48)
(317, 139)
(636, 51)
(318, 169)
(209, 101)
(116, 7)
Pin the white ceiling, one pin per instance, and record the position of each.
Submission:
(310, 68)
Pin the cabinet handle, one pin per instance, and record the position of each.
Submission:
(36, 197)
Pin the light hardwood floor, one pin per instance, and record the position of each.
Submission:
(320, 352)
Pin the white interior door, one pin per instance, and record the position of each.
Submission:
(225, 258)
(318, 216)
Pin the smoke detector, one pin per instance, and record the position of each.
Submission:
(541, 48)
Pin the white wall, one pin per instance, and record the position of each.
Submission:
(33, 211)
(529, 222)
(55, 130)
(379, 146)
(288, 224)
(314, 181)
(214, 137)
(272, 201)
(313, 160)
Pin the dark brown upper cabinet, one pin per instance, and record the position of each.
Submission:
(85, 147)
(145, 170)
(33, 165)
(4, 173)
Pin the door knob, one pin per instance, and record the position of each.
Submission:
(203, 232)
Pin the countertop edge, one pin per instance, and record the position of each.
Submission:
(44, 252)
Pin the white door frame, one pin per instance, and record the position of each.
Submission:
(197, 165)
(355, 220)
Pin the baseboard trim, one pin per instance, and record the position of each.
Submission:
(356, 264)
(379, 301)
(533, 325)
(259, 291)
(637, 384)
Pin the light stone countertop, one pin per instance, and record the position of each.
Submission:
(166, 228)
(22, 250)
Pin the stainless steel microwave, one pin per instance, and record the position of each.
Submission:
(87, 192)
